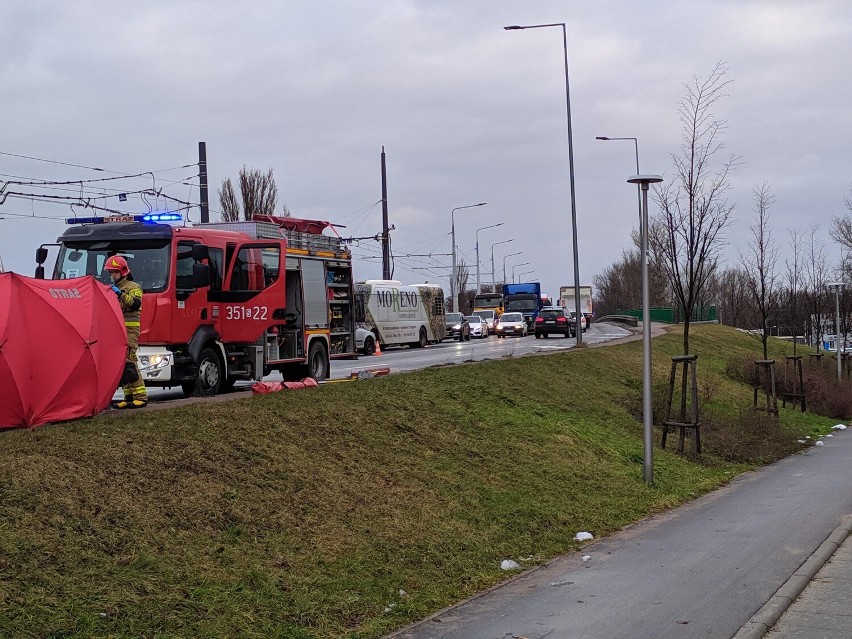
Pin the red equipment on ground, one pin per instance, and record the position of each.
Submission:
(62, 349)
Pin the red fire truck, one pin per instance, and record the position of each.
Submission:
(224, 301)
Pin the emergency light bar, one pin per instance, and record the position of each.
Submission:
(150, 218)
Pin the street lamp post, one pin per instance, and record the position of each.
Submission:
(504, 264)
(478, 291)
(647, 408)
(837, 286)
(494, 279)
(516, 266)
(638, 186)
(578, 330)
(453, 296)
(520, 275)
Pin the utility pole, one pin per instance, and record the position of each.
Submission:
(386, 271)
(202, 180)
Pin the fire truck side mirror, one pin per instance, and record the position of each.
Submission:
(39, 272)
(200, 273)
(41, 256)
(199, 252)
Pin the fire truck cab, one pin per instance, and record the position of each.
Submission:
(226, 301)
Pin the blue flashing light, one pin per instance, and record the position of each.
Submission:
(159, 217)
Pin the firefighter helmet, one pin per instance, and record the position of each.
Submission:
(117, 263)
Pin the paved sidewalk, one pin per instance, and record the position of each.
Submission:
(824, 609)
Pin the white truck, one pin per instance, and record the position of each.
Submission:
(566, 299)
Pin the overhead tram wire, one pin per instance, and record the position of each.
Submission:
(88, 168)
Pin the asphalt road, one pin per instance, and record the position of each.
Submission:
(699, 571)
(400, 359)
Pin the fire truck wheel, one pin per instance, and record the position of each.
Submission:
(208, 376)
(317, 364)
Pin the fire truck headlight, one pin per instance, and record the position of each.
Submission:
(155, 361)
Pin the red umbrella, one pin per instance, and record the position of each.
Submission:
(62, 349)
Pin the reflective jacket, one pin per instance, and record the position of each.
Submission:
(130, 300)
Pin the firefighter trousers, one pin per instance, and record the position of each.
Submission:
(133, 388)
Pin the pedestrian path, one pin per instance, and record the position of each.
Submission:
(824, 609)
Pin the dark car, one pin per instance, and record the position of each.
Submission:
(553, 320)
(457, 327)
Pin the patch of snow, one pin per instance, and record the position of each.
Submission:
(586, 557)
(820, 444)
(839, 427)
(583, 536)
(509, 564)
(402, 593)
(801, 441)
(830, 435)
(390, 607)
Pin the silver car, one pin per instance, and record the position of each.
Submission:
(490, 318)
(478, 326)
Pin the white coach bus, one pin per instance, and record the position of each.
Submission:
(399, 314)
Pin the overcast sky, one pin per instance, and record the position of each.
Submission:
(466, 111)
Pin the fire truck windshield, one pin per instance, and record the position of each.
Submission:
(149, 262)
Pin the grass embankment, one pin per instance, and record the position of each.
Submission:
(305, 514)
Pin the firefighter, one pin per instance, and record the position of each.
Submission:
(130, 298)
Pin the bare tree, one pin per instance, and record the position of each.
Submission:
(620, 285)
(760, 261)
(228, 202)
(733, 296)
(258, 191)
(462, 276)
(686, 236)
(816, 279)
(841, 227)
(794, 279)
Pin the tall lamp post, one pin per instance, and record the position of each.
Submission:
(647, 408)
(520, 275)
(493, 278)
(837, 286)
(504, 264)
(453, 295)
(516, 266)
(578, 330)
(638, 186)
(477, 251)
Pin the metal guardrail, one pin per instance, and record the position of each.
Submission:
(628, 320)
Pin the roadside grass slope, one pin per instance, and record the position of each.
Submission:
(351, 509)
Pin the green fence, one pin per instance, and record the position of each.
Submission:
(670, 315)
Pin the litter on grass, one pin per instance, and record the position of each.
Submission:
(839, 427)
(583, 536)
(509, 564)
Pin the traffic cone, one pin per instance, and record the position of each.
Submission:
(378, 349)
